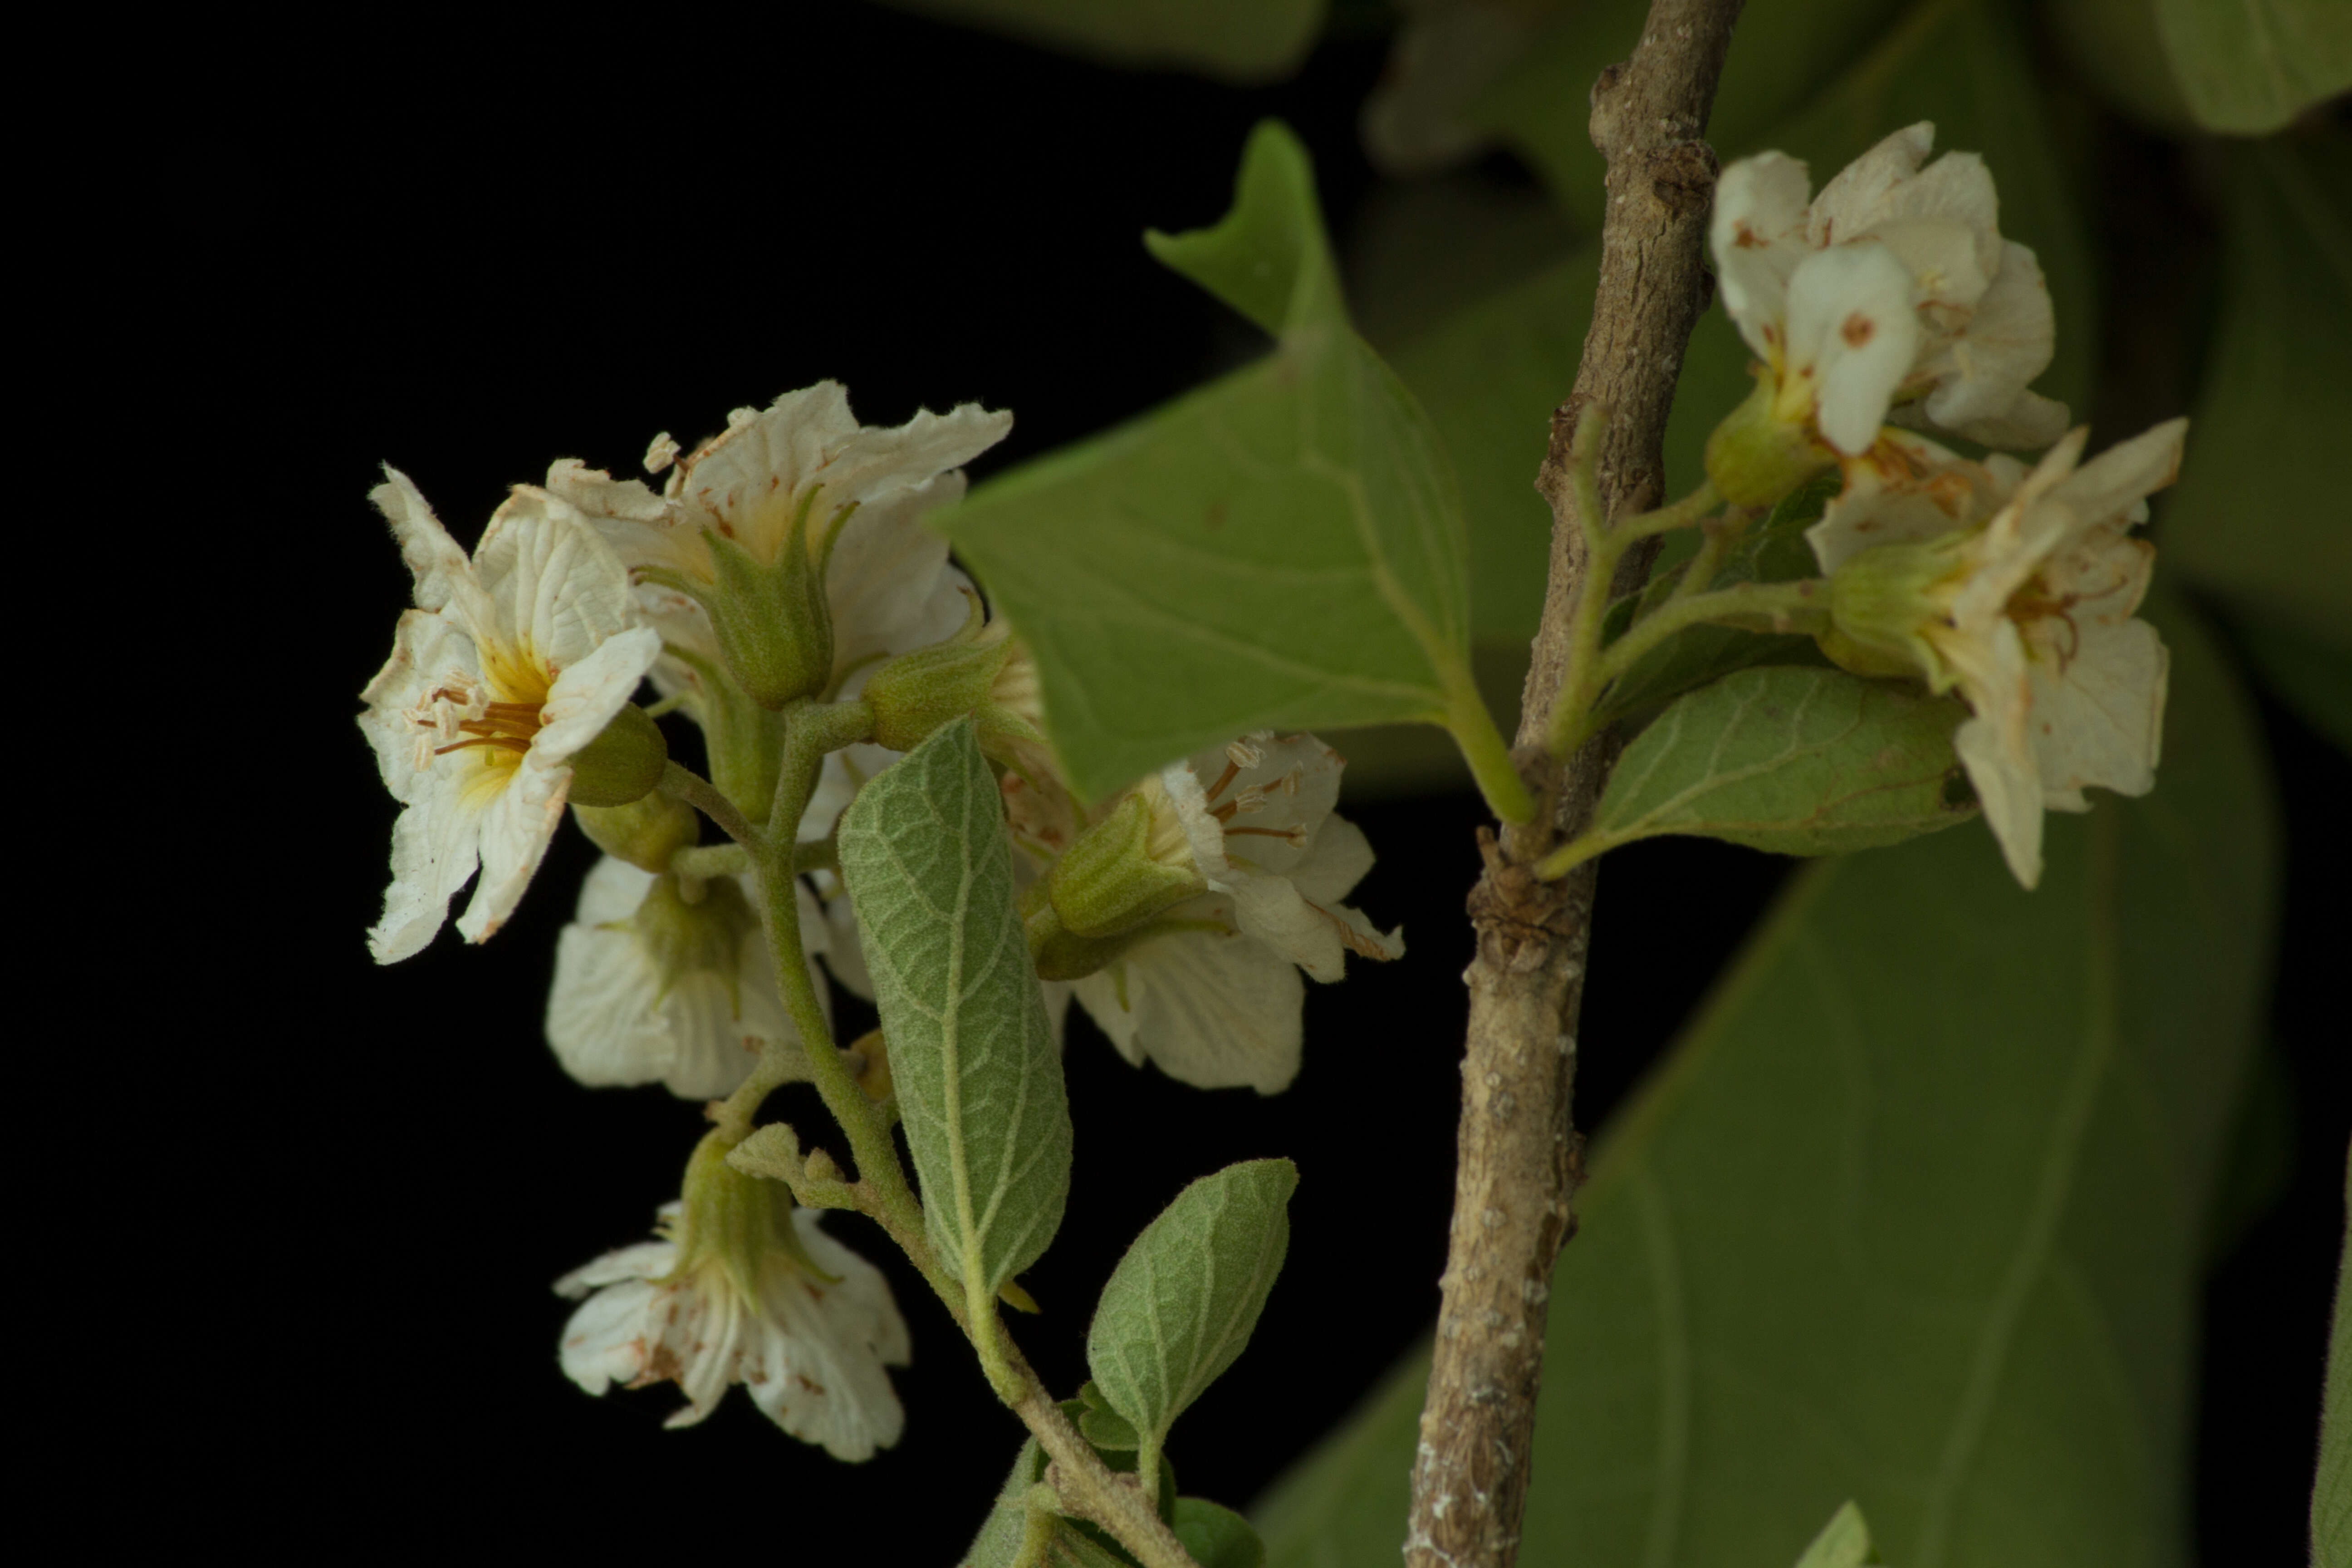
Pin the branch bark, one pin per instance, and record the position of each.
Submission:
(1519, 1158)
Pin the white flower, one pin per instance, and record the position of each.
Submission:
(1212, 993)
(888, 585)
(650, 988)
(2017, 587)
(804, 1323)
(511, 662)
(1891, 290)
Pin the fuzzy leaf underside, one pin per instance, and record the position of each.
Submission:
(929, 868)
(1183, 1302)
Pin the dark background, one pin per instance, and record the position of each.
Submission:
(472, 252)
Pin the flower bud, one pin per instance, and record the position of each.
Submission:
(1115, 877)
(771, 623)
(916, 692)
(645, 833)
(623, 763)
(1757, 454)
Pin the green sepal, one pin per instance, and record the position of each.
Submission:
(735, 1219)
(916, 692)
(645, 833)
(1109, 881)
(623, 763)
(774, 627)
(705, 936)
(1059, 953)
(1755, 457)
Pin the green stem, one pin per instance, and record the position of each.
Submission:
(698, 793)
(1489, 756)
(1719, 535)
(1787, 605)
(708, 860)
(1579, 683)
(1090, 1490)
(1683, 514)
(1574, 853)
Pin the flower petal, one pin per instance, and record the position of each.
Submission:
(556, 587)
(436, 847)
(1213, 1011)
(1852, 327)
(517, 823)
(1757, 232)
(585, 696)
(1862, 193)
(1983, 375)
(2099, 718)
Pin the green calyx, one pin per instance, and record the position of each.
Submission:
(1059, 952)
(1757, 455)
(774, 627)
(622, 764)
(645, 833)
(1884, 600)
(1109, 882)
(916, 692)
(735, 1221)
(704, 936)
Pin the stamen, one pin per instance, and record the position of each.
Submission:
(508, 742)
(1296, 837)
(1242, 754)
(1231, 769)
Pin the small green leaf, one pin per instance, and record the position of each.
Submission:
(1231, 40)
(1844, 1542)
(2248, 67)
(1106, 1429)
(1183, 1302)
(1069, 1543)
(2331, 1496)
(1216, 1536)
(1795, 761)
(929, 872)
(2264, 510)
(1281, 549)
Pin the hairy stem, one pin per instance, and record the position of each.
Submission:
(1519, 1159)
(1090, 1489)
(1784, 606)
(698, 793)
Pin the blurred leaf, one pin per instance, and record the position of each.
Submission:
(1796, 762)
(1782, 52)
(1231, 40)
(2258, 1165)
(2118, 46)
(2331, 1496)
(2248, 67)
(929, 868)
(1281, 549)
(1216, 1536)
(2262, 512)
(1844, 1542)
(1913, 1214)
(2311, 677)
(1185, 1300)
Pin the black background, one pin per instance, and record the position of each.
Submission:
(470, 252)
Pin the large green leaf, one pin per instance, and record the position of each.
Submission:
(1281, 549)
(2262, 512)
(1185, 1300)
(2248, 67)
(1912, 1215)
(929, 872)
(2310, 675)
(1235, 40)
(1795, 761)
(2331, 1496)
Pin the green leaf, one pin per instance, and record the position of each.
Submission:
(1795, 761)
(1844, 1542)
(1913, 1214)
(929, 872)
(2263, 512)
(2248, 67)
(1183, 1302)
(2331, 1496)
(1216, 1536)
(1104, 1427)
(2310, 675)
(1282, 549)
(1071, 1544)
(1233, 40)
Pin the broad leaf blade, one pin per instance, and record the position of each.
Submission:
(1283, 549)
(1182, 1303)
(2261, 513)
(1796, 761)
(2248, 67)
(929, 872)
(1912, 1216)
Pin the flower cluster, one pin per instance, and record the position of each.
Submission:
(784, 567)
(1892, 295)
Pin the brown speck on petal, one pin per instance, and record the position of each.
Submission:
(1858, 330)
